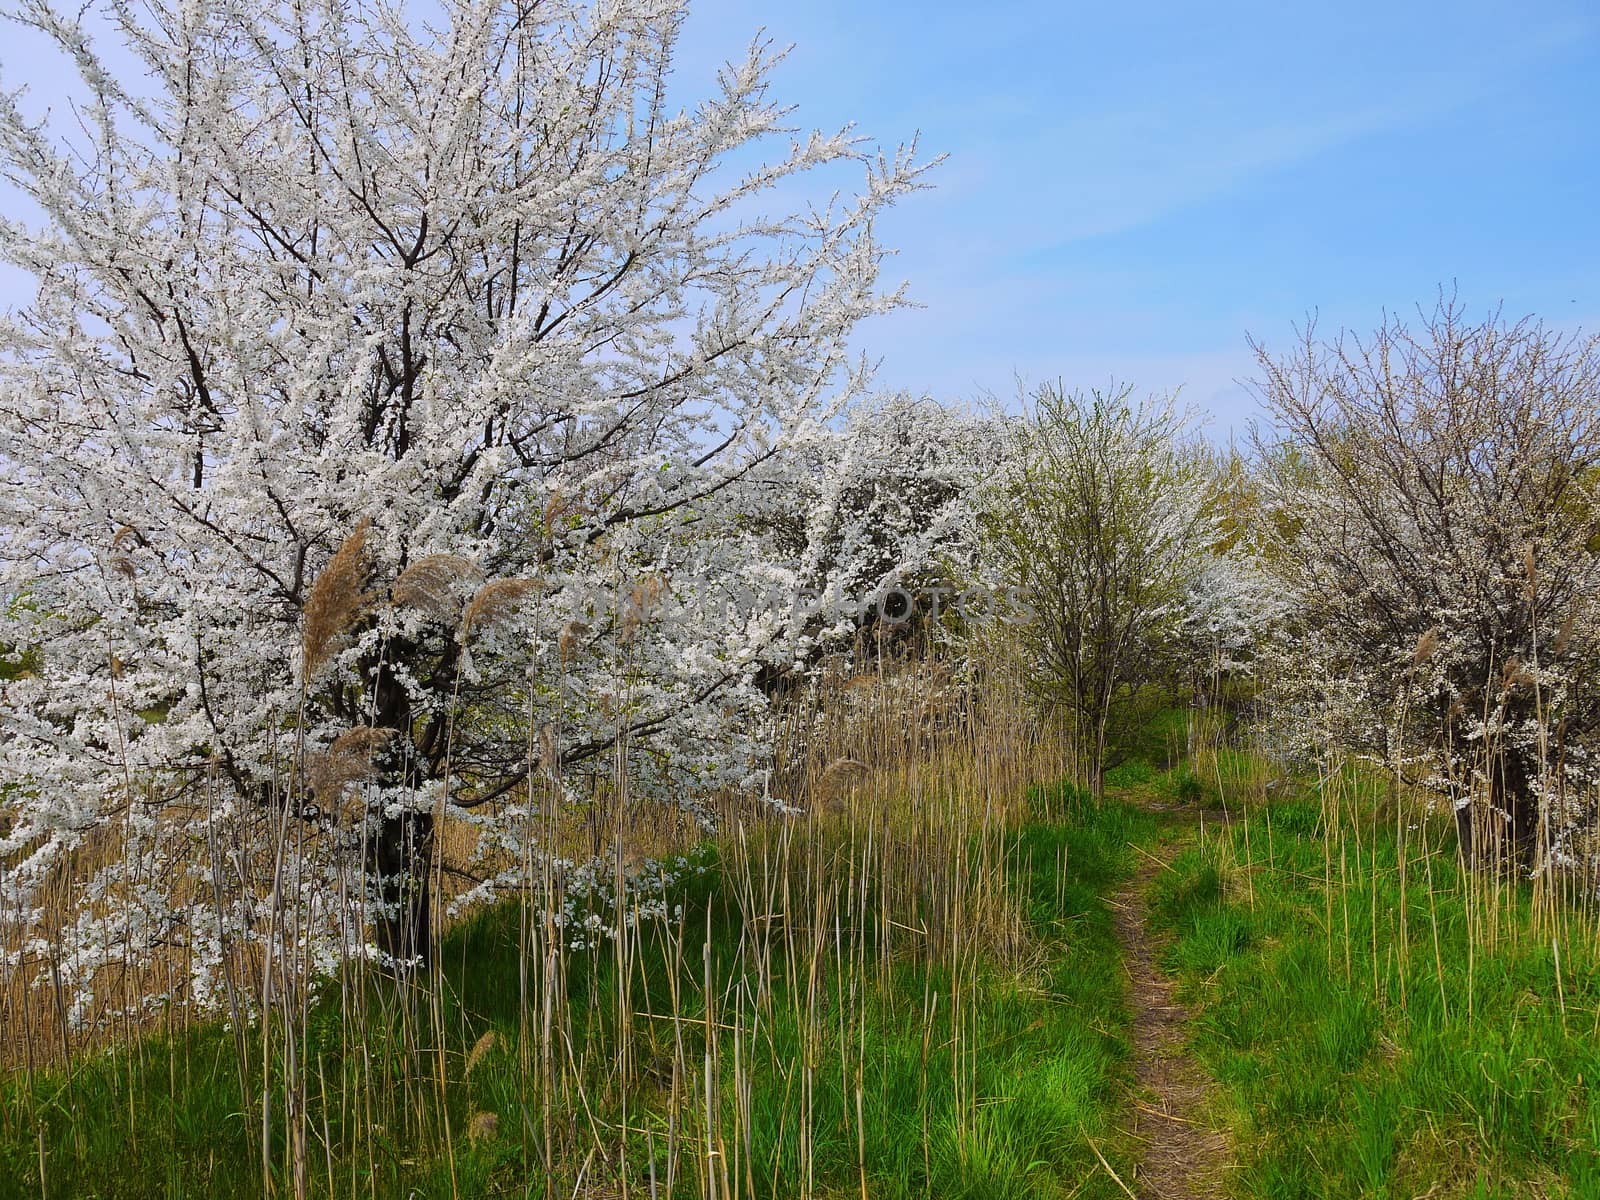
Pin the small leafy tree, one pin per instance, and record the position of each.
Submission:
(1431, 503)
(1101, 527)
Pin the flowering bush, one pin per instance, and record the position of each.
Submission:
(1430, 510)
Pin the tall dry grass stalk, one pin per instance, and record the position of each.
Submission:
(434, 585)
(338, 597)
(1513, 896)
(1391, 854)
(902, 783)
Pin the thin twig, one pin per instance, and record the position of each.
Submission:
(1109, 1171)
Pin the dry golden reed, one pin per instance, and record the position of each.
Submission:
(494, 602)
(347, 760)
(571, 633)
(1427, 644)
(555, 508)
(1564, 634)
(433, 584)
(1515, 674)
(642, 600)
(834, 784)
(337, 600)
(122, 542)
(549, 750)
(481, 1049)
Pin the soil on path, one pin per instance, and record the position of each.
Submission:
(1181, 1157)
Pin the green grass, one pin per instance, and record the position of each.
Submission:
(1351, 1071)
(996, 1097)
(1350, 1065)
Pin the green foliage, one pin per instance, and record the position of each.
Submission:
(1133, 773)
(1186, 786)
(1102, 530)
(1354, 1061)
(17, 662)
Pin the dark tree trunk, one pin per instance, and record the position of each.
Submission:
(400, 851)
(1464, 836)
(1507, 834)
(1514, 797)
(400, 854)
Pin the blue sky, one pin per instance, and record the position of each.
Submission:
(1132, 188)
